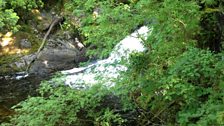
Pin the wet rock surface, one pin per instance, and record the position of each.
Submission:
(24, 61)
(25, 43)
(12, 91)
(61, 51)
(58, 54)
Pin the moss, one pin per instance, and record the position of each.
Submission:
(6, 60)
(32, 37)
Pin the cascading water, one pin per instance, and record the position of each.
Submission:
(17, 87)
(107, 71)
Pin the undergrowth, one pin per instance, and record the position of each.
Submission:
(178, 81)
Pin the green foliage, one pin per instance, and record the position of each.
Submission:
(114, 20)
(8, 19)
(189, 91)
(8, 14)
(104, 23)
(211, 35)
(204, 72)
(65, 106)
(171, 20)
(26, 4)
(173, 83)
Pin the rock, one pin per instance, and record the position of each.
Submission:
(59, 54)
(62, 50)
(23, 62)
(25, 43)
(19, 64)
(45, 22)
(51, 60)
(29, 58)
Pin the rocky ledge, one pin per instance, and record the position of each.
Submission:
(59, 53)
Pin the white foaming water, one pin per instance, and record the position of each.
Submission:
(18, 77)
(108, 70)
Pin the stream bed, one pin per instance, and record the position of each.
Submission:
(15, 88)
(13, 91)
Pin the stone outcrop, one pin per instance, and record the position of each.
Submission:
(62, 51)
(25, 43)
(58, 54)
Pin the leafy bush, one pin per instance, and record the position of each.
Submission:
(104, 23)
(8, 14)
(64, 106)
(189, 91)
(173, 83)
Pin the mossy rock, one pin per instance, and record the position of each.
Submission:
(5, 68)
(33, 38)
(6, 60)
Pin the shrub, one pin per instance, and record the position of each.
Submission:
(8, 14)
(62, 106)
(173, 83)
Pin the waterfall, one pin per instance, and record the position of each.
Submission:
(108, 70)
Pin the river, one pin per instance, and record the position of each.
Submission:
(13, 91)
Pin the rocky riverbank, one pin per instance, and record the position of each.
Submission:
(12, 91)
(63, 49)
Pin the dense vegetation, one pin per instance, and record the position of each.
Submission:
(178, 81)
(9, 10)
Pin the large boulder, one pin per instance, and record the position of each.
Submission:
(58, 54)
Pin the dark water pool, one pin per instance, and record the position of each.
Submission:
(13, 91)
